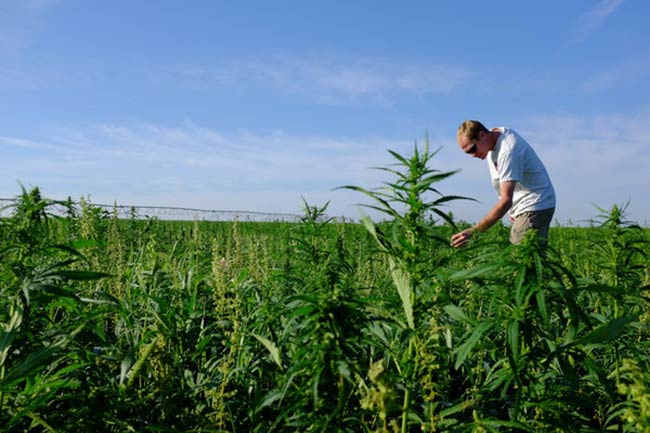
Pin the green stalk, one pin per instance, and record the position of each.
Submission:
(405, 409)
(2, 394)
(412, 357)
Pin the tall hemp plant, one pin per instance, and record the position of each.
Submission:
(40, 317)
(409, 239)
(539, 345)
(313, 337)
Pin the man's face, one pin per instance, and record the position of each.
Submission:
(477, 148)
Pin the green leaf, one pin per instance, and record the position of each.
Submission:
(513, 338)
(402, 282)
(9, 333)
(466, 348)
(273, 349)
(375, 196)
(494, 423)
(81, 275)
(458, 314)
(270, 398)
(399, 157)
(542, 307)
(460, 407)
(475, 272)
(607, 332)
(125, 366)
(500, 375)
(31, 365)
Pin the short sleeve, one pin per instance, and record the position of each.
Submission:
(510, 165)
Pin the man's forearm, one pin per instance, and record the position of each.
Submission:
(495, 214)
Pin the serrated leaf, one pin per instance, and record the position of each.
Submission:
(458, 314)
(273, 349)
(475, 272)
(402, 282)
(607, 332)
(466, 348)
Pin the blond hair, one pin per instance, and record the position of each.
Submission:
(471, 129)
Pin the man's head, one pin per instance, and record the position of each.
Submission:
(472, 138)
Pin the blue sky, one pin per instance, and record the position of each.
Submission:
(251, 105)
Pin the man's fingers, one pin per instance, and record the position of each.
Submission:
(460, 239)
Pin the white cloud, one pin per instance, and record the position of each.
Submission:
(600, 160)
(596, 16)
(189, 166)
(330, 81)
(20, 143)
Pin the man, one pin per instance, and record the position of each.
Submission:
(519, 177)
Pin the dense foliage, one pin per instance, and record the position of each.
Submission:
(112, 325)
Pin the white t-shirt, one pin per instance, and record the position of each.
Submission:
(514, 159)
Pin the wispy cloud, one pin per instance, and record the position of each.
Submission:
(330, 81)
(631, 72)
(596, 16)
(599, 160)
(193, 166)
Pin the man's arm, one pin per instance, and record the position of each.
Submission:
(506, 190)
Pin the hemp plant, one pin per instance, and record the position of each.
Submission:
(313, 336)
(411, 202)
(623, 253)
(40, 314)
(407, 238)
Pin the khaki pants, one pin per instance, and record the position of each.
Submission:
(539, 220)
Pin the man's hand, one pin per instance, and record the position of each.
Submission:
(460, 239)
